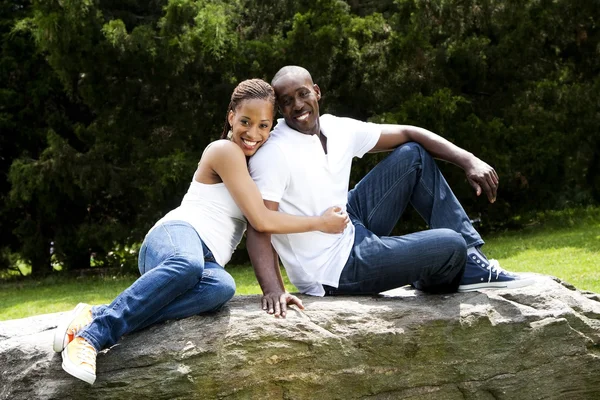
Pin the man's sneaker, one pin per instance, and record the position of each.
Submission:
(79, 360)
(481, 273)
(70, 325)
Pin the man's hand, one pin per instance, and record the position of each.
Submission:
(483, 178)
(276, 303)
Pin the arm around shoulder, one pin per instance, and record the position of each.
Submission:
(229, 163)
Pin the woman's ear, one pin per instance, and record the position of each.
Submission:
(230, 117)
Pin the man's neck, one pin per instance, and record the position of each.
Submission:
(323, 140)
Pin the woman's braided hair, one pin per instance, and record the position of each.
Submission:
(246, 90)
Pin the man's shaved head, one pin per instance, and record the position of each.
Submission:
(298, 99)
(291, 70)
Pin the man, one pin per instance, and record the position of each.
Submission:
(304, 168)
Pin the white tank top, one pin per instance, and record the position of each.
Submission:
(212, 212)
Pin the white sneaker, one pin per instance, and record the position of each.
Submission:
(70, 325)
(79, 360)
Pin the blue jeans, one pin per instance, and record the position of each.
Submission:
(180, 278)
(433, 260)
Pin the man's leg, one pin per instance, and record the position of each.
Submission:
(434, 258)
(408, 175)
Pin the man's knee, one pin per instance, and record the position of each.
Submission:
(455, 245)
(446, 279)
(413, 149)
(410, 153)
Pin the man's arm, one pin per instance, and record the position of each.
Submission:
(266, 267)
(479, 174)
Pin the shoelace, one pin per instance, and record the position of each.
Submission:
(495, 267)
(86, 354)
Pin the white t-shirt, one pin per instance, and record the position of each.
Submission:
(292, 169)
(213, 213)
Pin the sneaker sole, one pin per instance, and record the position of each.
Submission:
(518, 283)
(76, 372)
(60, 339)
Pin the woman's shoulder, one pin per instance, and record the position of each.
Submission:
(221, 148)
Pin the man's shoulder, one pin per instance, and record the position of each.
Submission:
(272, 151)
(333, 121)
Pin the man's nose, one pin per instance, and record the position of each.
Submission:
(298, 103)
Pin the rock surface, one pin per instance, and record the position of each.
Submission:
(539, 342)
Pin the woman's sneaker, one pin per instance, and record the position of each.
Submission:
(481, 273)
(79, 360)
(71, 324)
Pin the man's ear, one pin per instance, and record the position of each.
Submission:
(317, 91)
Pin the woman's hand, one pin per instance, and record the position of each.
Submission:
(334, 220)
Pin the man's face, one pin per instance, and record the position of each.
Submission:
(298, 100)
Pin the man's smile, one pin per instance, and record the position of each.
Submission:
(303, 117)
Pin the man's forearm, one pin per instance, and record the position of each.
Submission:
(439, 147)
(264, 261)
(393, 136)
(481, 176)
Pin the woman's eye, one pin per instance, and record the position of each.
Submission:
(244, 122)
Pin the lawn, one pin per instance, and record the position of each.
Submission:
(565, 244)
(27, 297)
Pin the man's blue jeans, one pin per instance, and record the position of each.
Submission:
(434, 259)
(180, 278)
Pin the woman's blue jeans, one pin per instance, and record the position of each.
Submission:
(432, 260)
(180, 278)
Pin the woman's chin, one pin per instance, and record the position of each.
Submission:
(250, 152)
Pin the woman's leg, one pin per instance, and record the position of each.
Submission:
(172, 261)
(215, 289)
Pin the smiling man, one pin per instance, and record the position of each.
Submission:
(305, 167)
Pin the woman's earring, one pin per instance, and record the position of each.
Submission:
(229, 134)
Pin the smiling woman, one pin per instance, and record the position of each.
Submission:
(182, 257)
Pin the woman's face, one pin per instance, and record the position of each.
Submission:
(251, 124)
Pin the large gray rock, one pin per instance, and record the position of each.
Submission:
(540, 342)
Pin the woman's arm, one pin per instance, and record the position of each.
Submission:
(228, 161)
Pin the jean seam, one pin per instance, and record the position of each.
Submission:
(144, 258)
(426, 188)
(171, 240)
(387, 193)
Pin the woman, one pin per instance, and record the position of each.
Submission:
(182, 257)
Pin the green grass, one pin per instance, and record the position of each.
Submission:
(27, 297)
(565, 244)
